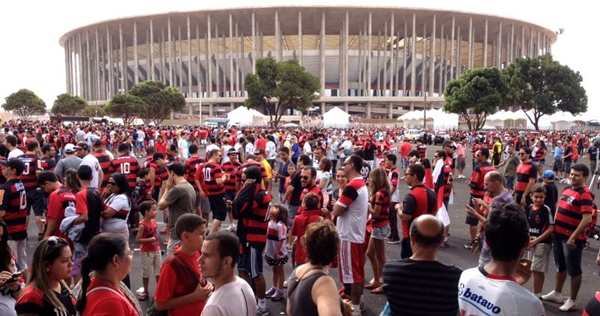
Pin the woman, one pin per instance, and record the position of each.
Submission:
(71, 181)
(46, 293)
(317, 293)
(10, 288)
(324, 181)
(379, 204)
(109, 258)
(118, 205)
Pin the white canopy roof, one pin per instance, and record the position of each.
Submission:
(243, 116)
(336, 117)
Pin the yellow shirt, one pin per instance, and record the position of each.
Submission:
(267, 169)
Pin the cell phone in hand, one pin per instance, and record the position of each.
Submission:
(16, 275)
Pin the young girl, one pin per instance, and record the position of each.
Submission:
(147, 237)
(277, 253)
(288, 179)
(379, 202)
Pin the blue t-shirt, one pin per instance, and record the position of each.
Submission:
(558, 152)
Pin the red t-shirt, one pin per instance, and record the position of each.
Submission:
(301, 221)
(105, 302)
(58, 201)
(149, 231)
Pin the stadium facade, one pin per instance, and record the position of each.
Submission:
(378, 61)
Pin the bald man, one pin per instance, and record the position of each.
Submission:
(407, 283)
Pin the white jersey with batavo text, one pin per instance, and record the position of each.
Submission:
(353, 222)
(481, 293)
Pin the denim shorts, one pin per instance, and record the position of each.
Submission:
(380, 232)
(567, 259)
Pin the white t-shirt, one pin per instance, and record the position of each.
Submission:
(15, 153)
(119, 203)
(306, 149)
(184, 148)
(249, 149)
(232, 299)
(92, 161)
(352, 223)
(211, 147)
(271, 150)
(480, 294)
(226, 149)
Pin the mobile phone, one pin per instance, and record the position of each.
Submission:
(16, 275)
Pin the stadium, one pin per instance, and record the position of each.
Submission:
(371, 61)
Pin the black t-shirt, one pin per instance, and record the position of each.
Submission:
(568, 150)
(365, 170)
(593, 152)
(369, 150)
(295, 199)
(539, 220)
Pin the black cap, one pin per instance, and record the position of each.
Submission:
(14, 163)
(232, 151)
(83, 145)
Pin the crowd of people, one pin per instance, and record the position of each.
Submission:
(313, 198)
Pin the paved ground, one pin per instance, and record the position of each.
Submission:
(455, 254)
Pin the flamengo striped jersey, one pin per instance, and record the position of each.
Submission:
(381, 198)
(477, 189)
(128, 166)
(525, 172)
(191, 166)
(13, 201)
(104, 161)
(231, 170)
(572, 204)
(353, 222)
(29, 176)
(209, 173)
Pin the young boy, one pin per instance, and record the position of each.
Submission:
(541, 227)
(180, 290)
(551, 191)
(147, 237)
(288, 180)
(311, 214)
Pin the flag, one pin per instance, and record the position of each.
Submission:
(442, 212)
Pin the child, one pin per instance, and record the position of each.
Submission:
(150, 246)
(311, 214)
(288, 179)
(176, 282)
(276, 253)
(551, 191)
(541, 227)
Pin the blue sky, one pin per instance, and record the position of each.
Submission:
(32, 58)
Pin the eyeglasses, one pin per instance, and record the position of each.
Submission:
(305, 177)
(346, 163)
(129, 253)
(521, 154)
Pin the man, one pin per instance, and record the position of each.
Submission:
(369, 149)
(35, 197)
(308, 177)
(210, 179)
(251, 207)
(393, 178)
(493, 288)
(179, 196)
(567, 159)
(557, 167)
(47, 161)
(14, 210)
(477, 188)
(282, 172)
(592, 154)
(496, 151)
(461, 156)
(83, 151)
(232, 295)
(421, 148)
(69, 161)
(407, 283)
(125, 164)
(510, 163)
(230, 168)
(405, 149)
(573, 216)
(182, 145)
(294, 190)
(259, 155)
(420, 200)
(443, 181)
(351, 222)
(251, 160)
(59, 199)
(104, 161)
(191, 166)
(11, 144)
(526, 177)
(365, 170)
(319, 154)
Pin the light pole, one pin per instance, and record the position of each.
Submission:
(200, 104)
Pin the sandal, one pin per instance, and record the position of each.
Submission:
(372, 286)
(143, 296)
(378, 290)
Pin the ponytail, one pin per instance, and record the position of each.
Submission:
(85, 283)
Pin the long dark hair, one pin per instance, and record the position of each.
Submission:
(5, 252)
(46, 252)
(101, 250)
(123, 184)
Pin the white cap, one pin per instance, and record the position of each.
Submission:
(69, 148)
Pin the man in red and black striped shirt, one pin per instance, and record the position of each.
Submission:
(230, 168)
(104, 160)
(573, 216)
(125, 164)
(35, 197)
(47, 161)
(477, 188)
(526, 176)
(191, 166)
(14, 211)
(211, 178)
(250, 161)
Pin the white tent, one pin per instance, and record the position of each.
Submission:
(242, 116)
(335, 117)
(443, 120)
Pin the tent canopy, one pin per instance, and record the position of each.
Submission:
(336, 117)
(243, 116)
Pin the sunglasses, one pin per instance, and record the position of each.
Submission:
(305, 177)
(521, 154)
(111, 182)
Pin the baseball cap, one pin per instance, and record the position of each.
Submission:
(83, 145)
(69, 148)
(549, 174)
(14, 163)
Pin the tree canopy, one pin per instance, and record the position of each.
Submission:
(93, 110)
(477, 93)
(279, 86)
(127, 106)
(25, 104)
(69, 105)
(544, 86)
(160, 99)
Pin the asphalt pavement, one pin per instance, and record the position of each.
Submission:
(455, 254)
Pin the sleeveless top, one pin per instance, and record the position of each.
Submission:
(300, 296)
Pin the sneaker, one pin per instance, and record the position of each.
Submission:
(444, 245)
(569, 305)
(553, 297)
(270, 292)
(468, 246)
(262, 311)
(277, 296)
(285, 284)
(393, 241)
(231, 228)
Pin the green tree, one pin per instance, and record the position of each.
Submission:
(25, 104)
(127, 106)
(160, 99)
(93, 111)
(279, 86)
(542, 86)
(476, 94)
(68, 105)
